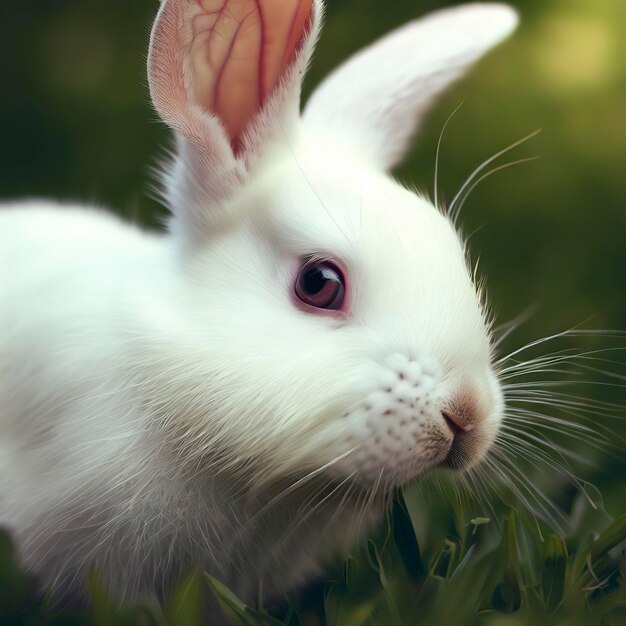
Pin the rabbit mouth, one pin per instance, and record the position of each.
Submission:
(396, 459)
(466, 450)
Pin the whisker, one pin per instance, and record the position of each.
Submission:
(511, 472)
(504, 331)
(485, 164)
(572, 332)
(455, 209)
(441, 135)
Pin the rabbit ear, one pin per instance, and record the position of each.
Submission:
(376, 100)
(226, 75)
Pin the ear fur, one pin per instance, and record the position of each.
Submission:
(226, 76)
(375, 100)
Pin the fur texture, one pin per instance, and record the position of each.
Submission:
(166, 404)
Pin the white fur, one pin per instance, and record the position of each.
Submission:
(163, 402)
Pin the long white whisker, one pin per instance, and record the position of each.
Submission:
(486, 164)
(441, 135)
(455, 209)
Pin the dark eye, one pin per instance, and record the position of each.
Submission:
(321, 285)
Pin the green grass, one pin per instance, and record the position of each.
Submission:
(430, 566)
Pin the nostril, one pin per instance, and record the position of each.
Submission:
(456, 422)
(450, 423)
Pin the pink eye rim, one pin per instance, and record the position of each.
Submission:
(320, 286)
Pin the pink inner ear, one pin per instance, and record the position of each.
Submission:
(239, 53)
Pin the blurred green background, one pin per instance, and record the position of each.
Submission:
(76, 124)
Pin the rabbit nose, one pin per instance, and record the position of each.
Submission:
(458, 421)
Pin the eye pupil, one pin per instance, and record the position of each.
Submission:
(321, 285)
(315, 280)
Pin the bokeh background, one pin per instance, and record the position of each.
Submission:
(76, 124)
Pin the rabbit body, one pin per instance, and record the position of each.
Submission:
(85, 480)
(169, 401)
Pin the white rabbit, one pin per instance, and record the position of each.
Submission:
(230, 394)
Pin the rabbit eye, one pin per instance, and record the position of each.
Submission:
(321, 285)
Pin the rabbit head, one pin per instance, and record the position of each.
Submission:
(326, 320)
